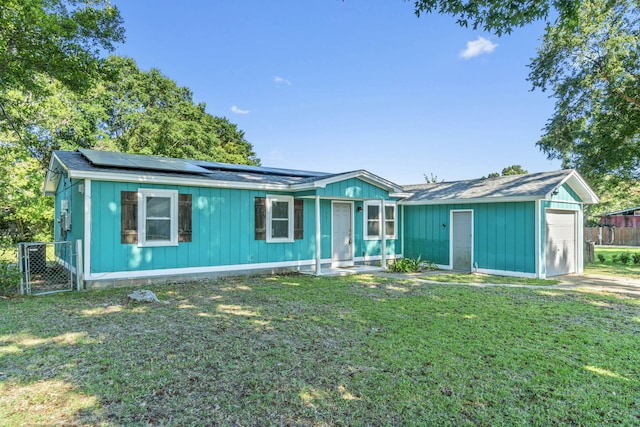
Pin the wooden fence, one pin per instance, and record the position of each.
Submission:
(618, 236)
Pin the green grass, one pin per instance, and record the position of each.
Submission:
(611, 268)
(308, 351)
(485, 278)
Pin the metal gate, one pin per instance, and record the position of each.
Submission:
(46, 267)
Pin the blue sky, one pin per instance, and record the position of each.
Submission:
(337, 86)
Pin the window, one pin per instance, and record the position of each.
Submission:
(278, 219)
(155, 217)
(373, 220)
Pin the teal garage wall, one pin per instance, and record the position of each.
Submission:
(503, 234)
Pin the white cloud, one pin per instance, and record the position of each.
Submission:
(237, 110)
(281, 81)
(478, 47)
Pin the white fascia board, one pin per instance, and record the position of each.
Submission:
(470, 201)
(580, 186)
(151, 179)
(400, 195)
(362, 174)
(506, 273)
(51, 182)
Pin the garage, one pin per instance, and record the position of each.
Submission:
(561, 242)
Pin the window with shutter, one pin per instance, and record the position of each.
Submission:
(129, 217)
(260, 218)
(184, 218)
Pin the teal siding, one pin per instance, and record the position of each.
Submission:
(353, 188)
(566, 193)
(68, 190)
(504, 234)
(223, 224)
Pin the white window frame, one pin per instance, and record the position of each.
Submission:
(269, 201)
(143, 194)
(382, 227)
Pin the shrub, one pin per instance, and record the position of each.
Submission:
(601, 258)
(615, 258)
(636, 258)
(406, 265)
(9, 278)
(625, 257)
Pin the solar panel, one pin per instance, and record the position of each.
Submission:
(256, 169)
(139, 161)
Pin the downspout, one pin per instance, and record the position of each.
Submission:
(318, 237)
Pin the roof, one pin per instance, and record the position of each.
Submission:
(628, 211)
(124, 167)
(531, 186)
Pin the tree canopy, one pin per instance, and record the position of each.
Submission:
(593, 70)
(498, 17)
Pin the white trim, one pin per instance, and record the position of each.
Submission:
(87, 227)
(569, 202)
(586, 189)
(138, 274)
(172, 195)
(376, 257)
(577, 248)
(318, 259)
(451, 212)
(506, 273)
(580, 241)
(381, 218)
(475, 200)
(290, 218)
(538, 239)
(151, 179)
(347, 262)
(364, 175)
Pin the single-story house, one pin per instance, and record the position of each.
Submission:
(143, 218)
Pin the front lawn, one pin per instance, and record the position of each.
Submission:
(486, 278)
(612, 265)
(306, 351)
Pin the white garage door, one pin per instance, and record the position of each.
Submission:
(560, 242)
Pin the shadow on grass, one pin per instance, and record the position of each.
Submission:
(297, 350)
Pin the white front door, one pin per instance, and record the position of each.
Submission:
(342, 234)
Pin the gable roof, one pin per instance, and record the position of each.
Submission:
(527, 187)
(123, 167)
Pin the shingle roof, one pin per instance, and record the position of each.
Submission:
(513, 186)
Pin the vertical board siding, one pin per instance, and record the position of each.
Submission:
(353, 188)
(566, 193)
(504, 234)
(223, 224)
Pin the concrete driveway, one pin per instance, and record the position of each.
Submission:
(599, 283)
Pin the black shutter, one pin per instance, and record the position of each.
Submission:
(129, 217)
(260, 220)
(298, 219)
(184, 218)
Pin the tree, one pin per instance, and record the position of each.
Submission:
(509, 170)
(593, 69)
(432, 179)
(514, 170)
(499, 17)
(60, 39)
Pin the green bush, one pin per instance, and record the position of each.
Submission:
(615, 258)
(406, 265)
(601, 258)
(625, 257)
(9, 278)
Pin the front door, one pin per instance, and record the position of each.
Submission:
(342, 234)
(461, 240)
